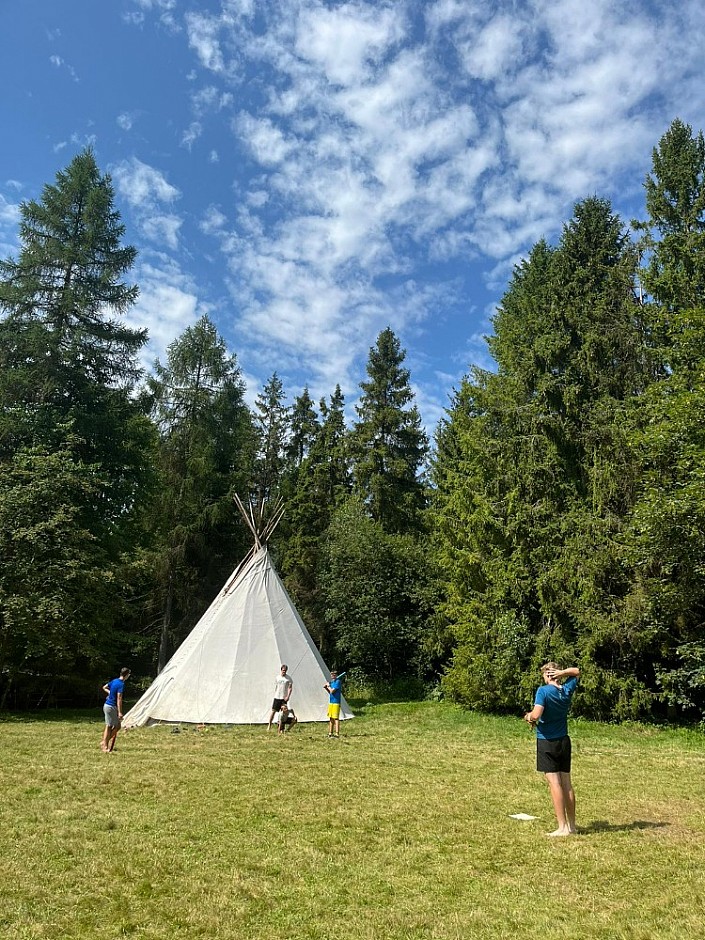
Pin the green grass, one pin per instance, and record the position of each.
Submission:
(398, 830)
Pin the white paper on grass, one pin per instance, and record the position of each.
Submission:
(522, 816)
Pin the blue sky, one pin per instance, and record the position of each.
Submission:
(308, 173)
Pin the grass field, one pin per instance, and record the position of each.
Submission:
(400, 829)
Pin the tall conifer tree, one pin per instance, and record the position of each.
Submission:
(668, 536)
(205, 452)
(534, 482)
(67, 365)
(388, 442)
(272, 420)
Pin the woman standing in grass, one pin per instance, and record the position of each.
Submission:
(553, 749)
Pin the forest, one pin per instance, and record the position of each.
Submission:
(557, 513)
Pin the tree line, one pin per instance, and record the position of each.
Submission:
(559, 514)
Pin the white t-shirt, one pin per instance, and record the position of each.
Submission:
(282, 686)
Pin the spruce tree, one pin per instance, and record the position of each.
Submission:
(272, 421)
(205, 455)
(534, 482)
(388, 442)
(303, 429)
(332, 451)
(315, 486)
(668, 534)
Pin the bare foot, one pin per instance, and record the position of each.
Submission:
(561, 832)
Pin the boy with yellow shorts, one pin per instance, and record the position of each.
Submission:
(334, 689)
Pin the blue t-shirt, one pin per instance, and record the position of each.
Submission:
(117, 687)
(336, 694)
(553, 724)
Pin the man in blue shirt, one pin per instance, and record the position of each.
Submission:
(553, 749)
(113, 709)
(334, 689)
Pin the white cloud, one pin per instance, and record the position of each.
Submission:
(163, 8)
(163, 229)
(60, 63)
(349, 41)
(203, 36)
(494, 49)
(191, 134)
(168, 303)
(266, 142)
(210, 98)
(9, 223)
(257, 198)
(388, 146)
(213, 221)
(125, 121)
(146, 190)
(141, 184)
(9, 212)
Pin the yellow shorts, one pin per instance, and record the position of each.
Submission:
(334, 711)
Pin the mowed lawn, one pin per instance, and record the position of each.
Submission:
(400, 829)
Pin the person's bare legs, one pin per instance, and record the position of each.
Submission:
(568, 801)
(554, 781)
(111, 742)
(336, 727)
(107, 734)
(271, 719)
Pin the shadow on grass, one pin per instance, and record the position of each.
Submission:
(78, 715)
(358, 706)
(601, 825)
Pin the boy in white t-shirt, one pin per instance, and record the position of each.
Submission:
(282, 692)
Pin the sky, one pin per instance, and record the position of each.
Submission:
(310, 173)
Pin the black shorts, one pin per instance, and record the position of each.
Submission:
(553, 757)
(277, 704)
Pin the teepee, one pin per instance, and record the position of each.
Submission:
(224, 671)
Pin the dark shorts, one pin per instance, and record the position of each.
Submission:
(277, 704)
(553, 757)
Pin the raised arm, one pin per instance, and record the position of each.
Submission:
(571, 673)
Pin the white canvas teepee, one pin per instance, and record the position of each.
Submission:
(224, 671)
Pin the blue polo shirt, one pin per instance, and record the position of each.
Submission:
(117, 687)
(553, 724)
(336, 694)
